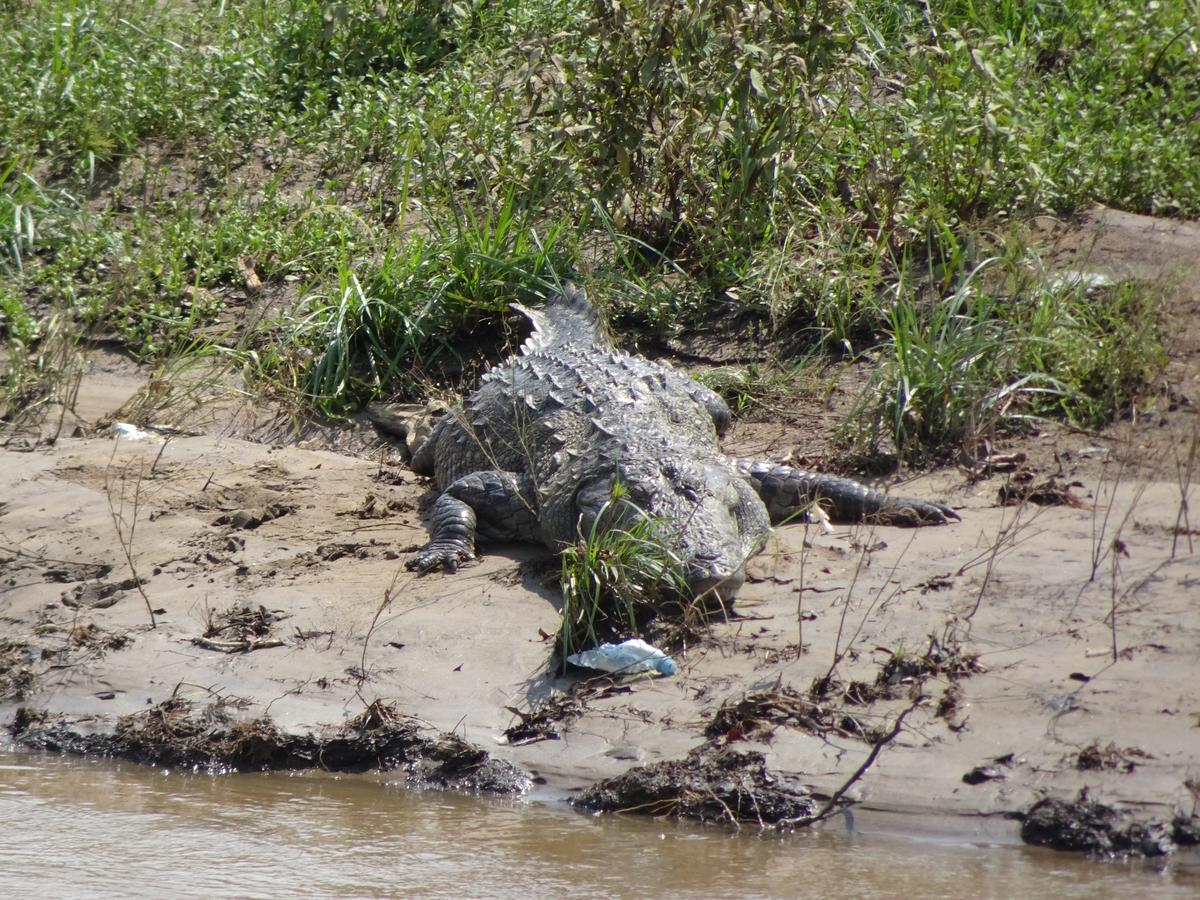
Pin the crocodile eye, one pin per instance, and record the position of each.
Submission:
(691, 488)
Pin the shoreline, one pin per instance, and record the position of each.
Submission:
(320, 592)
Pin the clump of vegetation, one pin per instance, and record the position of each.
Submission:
(339, 200)
(618, 577)
(1102, 346)
(958, 370)
(375, 326)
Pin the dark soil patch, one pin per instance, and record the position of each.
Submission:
(756, 717)
(542, 722)
(241, 629)
(176, 734)
(709, 785)
(16, 669)
(1091, 827)
(1113, 758)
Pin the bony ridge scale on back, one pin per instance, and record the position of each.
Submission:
(534, 452)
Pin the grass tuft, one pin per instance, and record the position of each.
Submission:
(617, 577)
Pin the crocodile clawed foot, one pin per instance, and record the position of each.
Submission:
(946, 514)
(914, 513)
(438, 555)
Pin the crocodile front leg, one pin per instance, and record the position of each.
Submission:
(499, 505)
(787, 491)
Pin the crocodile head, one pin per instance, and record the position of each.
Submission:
(711, 518)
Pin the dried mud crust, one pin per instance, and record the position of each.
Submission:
(177, 734)
(711, 784)
(1091, 827)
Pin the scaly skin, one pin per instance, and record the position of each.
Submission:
(533, 454)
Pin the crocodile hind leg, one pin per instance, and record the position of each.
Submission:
(500, 505)
(787, 491)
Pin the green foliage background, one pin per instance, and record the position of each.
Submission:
(855, 176)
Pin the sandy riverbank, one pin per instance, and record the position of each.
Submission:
(276, 580)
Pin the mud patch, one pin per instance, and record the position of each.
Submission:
(1084, 825)
(710, 784)
(757, 716)
(16, 669)
(177, 734)
(241, 629)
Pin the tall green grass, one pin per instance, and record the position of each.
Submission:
(386, 325)
(959, 369)
(834, 172)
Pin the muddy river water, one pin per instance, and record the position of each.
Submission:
(75, 828)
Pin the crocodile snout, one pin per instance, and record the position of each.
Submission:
(710, 576)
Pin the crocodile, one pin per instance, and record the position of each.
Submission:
(534, 452)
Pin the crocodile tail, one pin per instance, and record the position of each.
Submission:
(567, 318)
